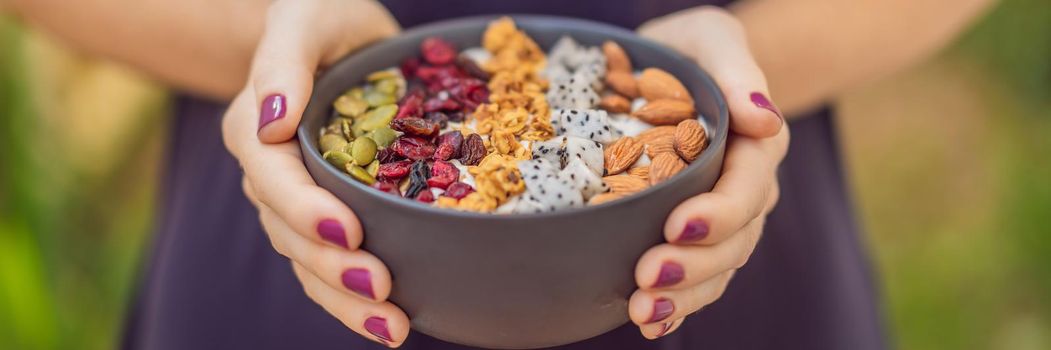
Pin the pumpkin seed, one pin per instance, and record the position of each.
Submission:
(338, 158)
(346, 130)
(350, 106)
(383, 136)
(377, 98)
(356, 92)
(386, 74)
(378, 117)
(360, 174)
(330, 142)
(364, 151)
(388, 86)
(373, 168)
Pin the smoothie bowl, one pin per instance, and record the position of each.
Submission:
(510, 171)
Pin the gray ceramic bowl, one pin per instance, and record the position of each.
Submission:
(514, 281)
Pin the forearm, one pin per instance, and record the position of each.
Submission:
(812, 49)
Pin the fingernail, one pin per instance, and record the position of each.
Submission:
(360, 281)
(662, 308)
(273, 108)
(377, 326)
(665, 327)
(671, 273)
(332, 231)
(695, 230)
(761, 101)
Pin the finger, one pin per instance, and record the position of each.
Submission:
(283, 70)
(383, 322)
(656, 330)
(279, 180)
(673, 266)
(717, 41)
(743, 192)
(650, 307)
(354, 272)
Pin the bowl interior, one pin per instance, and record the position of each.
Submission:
(545, 30)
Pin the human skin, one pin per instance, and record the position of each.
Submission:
(206, 48)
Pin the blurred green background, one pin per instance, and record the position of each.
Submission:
(950, 162)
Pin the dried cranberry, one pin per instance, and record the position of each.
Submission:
(411, 105)
(456, 116)
(412, 147)
(434, 74)
(473, 150)
(448, 145)
(443, 174)
(415, 126)
(425, 196)
(437, 51)
(458, 190)
(394, 171)
(388, 187)
(388, 155)
(409, 66)
(438, 117)
(438, 104)
(471, 67)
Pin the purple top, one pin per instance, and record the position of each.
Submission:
(214, 282)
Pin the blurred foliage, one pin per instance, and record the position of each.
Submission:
(948, 160)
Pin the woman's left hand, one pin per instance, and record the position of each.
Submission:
(711, 235)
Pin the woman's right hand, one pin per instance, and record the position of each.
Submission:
(307, 224)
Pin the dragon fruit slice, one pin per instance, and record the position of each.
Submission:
(590, 152)
(592, 124)
(572, 93)
(583, 179)
(536, 169)
(553, 193)
(550, 150)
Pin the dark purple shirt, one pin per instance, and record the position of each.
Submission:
(214, 282)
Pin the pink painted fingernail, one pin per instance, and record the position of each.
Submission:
(695, 230)
(662, 308)
(761, 101)
(273, 108)
(358, 280)
(665, 327)
(670, 274)
(377, 326)
(332, 231)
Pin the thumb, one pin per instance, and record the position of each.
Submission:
(717, 41)
(283, 71)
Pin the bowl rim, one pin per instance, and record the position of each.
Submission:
(716, 144)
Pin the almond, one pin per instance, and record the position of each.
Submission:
(622, 154)
(655, 84)
(658, 140)
(664, 166)
(615, 104)
(640, 171)
(616, 59)
(605, 197)
(665, 112)
(623, 83)
(625, 184)
(690, 139)
(654, 149)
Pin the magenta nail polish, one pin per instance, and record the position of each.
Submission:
(273, 108)
(332, 231)
(761, 101)
(377, 326)
(670, 274)
(662, 308)
(695, 230)
(358, 280)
